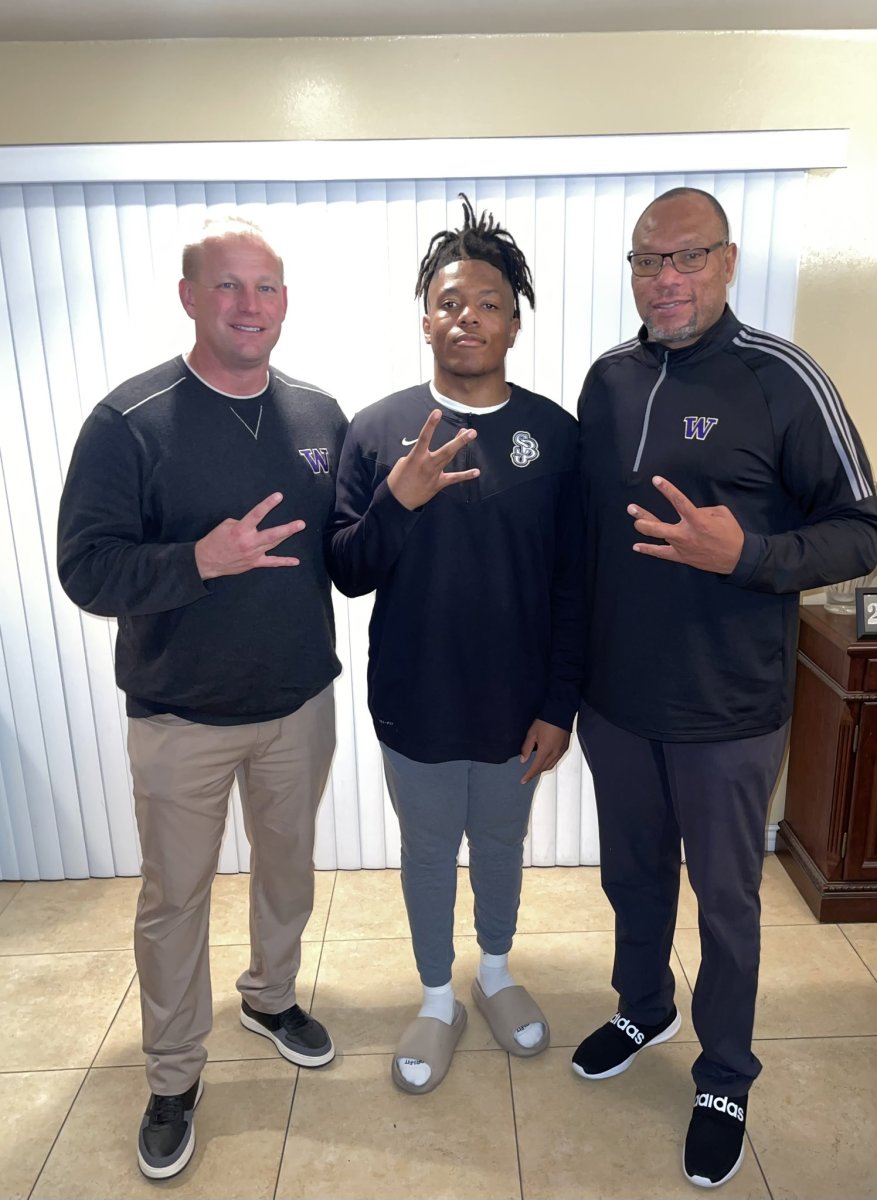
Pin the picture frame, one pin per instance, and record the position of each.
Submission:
(866, 612)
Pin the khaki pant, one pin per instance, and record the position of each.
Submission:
(183, 774)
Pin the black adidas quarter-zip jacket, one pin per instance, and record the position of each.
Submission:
(477, 624)
(740, 418)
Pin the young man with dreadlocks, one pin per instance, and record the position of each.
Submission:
(475, 638)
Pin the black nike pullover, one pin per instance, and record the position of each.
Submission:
(477, 624)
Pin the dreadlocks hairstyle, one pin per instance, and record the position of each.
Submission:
(482, 238)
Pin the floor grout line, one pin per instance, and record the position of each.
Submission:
(57, 953)
(845, 935)
(515, 1127)
(320, 944)
(370, 937)
(40, 1070)
(299, 1069)
(523, 933)
(755, 1155)
(130, 949)
(269, 1058)
(815, 1037)
(60, 1130)
(286, 1134)
(329, 908)
(15, 892)
(323, 942)
(115, 1016)
(265, 1058)
(682, 965)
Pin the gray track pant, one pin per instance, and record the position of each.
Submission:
(436, 803)
(715, 796)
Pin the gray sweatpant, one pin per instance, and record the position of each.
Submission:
(715, 796)
(437, 803)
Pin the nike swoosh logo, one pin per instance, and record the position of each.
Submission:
(408, 441)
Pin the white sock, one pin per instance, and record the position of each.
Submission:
(438, 1002)
(493, 975)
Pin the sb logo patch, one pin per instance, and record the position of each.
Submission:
(525, 449)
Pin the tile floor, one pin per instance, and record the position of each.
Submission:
(72, 1088)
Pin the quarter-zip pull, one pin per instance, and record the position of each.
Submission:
(467, 463)
(647, 417)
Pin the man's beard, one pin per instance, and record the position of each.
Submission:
(682, 333)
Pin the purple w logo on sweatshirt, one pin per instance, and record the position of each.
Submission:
(698, 427)
(317, 459)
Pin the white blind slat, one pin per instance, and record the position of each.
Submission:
(578, 287)
(610, 276)
(89, 299)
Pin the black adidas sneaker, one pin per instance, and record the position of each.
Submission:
(716, 1139)
(612, 1048)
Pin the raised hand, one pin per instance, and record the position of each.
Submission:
(234, 547)
(710, 539)
(420, 475)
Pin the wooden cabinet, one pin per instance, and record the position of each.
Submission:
(827, 840)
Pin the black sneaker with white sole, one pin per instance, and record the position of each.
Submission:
(611, 1049)
(716, 1139)
(296, 1035)
(167, 1133)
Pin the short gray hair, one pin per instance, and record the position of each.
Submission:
(691, 191)
(216, 228)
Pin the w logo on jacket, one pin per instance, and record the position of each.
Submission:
(317, 459)
(698, 427)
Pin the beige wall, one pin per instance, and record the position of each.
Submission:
(493, 86)
(480, 86)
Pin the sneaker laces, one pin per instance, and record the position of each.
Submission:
(293, 1019)
(166, 1110)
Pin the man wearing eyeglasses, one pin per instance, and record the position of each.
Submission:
(722, 476)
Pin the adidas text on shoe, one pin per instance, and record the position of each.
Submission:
(298, 1036)
(716, 1139)
(611, 1049)
(167, 1133)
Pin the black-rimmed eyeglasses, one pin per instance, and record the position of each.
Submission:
(686, 262)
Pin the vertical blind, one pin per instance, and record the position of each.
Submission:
(88, 299)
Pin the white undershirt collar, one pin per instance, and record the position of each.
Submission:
(219, 391)
(457, 407)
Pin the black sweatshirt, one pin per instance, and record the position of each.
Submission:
(158, 464)
(741, 418)
(477, 624)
